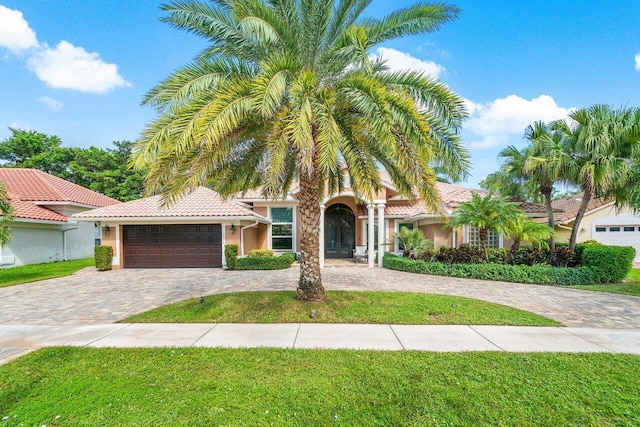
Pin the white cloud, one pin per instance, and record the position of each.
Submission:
(15, 33)
(638, 61)
(69, 67)
(397, 61)
(497, 121)
(53, 104)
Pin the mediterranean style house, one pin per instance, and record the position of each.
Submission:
(42, 228)
(193, 231)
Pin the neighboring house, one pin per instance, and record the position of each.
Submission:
(42, 230)
(602, 222)
(144, 234)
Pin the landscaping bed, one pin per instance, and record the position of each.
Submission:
(177, 386)
(340, 307)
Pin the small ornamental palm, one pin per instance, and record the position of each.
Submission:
(287, 92)
(522, 229)
(412, 240)
(488, 213)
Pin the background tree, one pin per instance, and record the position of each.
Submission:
(287, 91)
(103, 170)
(512, 180)
(488, 213)
(6, 212)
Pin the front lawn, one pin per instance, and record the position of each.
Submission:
(341, 307)
(35, 272)
(251, 387)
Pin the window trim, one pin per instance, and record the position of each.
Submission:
(467, 232)
(293, 229)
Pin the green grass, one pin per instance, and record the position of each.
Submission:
(631, 286)
(284, 387)
(341, 307)
(35, 272)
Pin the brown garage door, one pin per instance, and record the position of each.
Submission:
(155, 246)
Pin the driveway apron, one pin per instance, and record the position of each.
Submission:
(93, 297)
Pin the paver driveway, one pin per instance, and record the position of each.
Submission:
(91, 297)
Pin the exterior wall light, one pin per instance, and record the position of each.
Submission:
(232, 229)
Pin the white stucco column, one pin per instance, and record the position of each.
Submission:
(380, 233)
(370, 236)
(322, 208)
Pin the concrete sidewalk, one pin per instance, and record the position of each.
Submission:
(16, 340)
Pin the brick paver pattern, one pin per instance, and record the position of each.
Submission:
(93, 297)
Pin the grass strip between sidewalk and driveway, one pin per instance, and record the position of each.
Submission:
(35, 272)
(404, 308)
(285, 387)
(631, 285)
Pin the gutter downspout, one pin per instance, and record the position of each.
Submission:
(242, 236)
(64, 240)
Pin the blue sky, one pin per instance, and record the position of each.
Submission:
(514, 62)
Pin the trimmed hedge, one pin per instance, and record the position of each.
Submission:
(261, 253)
(610, 263)
(230, 255)
(103, 256)
(265, 263)
(537, 274)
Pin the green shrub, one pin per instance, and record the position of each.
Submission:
(103, 257)
(497, 256)
(529, 255)
(537, 274)
(230, 255)
(260, 253)
(265, 263)
(464, 254)
(611, 263)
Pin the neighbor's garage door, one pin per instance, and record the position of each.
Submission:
(620, 235)
(155, 246)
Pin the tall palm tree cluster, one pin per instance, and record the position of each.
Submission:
(286, 92)
(596, 150)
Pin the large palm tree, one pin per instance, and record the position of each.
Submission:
(488, 213)
(287, 92)
(604, 146)
(548, 162)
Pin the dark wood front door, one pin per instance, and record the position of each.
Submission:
(339, 231)
(162, 246)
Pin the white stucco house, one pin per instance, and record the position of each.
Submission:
(42, 230)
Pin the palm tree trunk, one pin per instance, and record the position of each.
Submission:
(310, 284)
(581, 211)
(483, 233)
(514, 248)
(546, 192)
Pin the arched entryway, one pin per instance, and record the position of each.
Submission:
(339, 231)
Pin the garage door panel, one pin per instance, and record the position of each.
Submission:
(173, 246)
(619, 236)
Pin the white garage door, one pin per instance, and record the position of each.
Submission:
(620, 235)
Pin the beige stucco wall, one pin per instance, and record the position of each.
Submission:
(436, 233)
(110, 240)
(586, 225)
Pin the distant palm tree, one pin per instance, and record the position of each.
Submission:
(488, 213)
(287, 91)
(512, 180)
(6, 212)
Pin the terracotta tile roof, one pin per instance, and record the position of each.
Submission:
(528, 207)
(570, 205)
(30, 187)
(202, 202)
